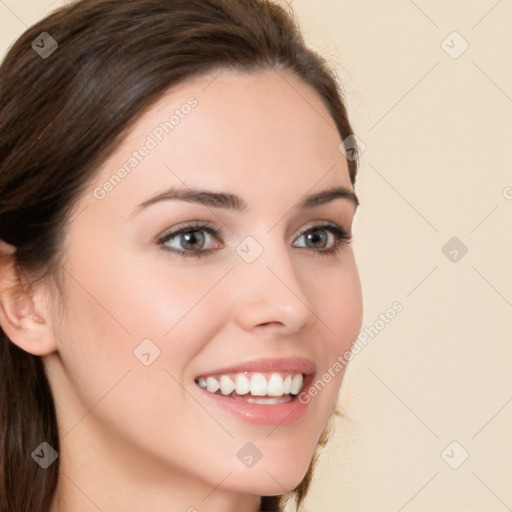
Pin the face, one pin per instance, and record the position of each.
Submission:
(216, 256)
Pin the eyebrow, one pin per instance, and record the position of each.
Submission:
(233, 202)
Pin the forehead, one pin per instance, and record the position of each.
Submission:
(254, 134)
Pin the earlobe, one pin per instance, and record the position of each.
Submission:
(25, 326)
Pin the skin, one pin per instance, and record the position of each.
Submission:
(138, 437)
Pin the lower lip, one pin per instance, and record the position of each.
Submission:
(262, 414)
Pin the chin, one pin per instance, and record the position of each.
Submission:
(272, 478)
(266, 484)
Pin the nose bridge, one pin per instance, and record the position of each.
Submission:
(270, 291)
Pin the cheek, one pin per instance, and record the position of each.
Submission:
(124, 303)
(134, 330)
(337, 300)
(140, 407)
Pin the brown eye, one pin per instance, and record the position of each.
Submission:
(325, 239)
(192, 240)
(317, 239)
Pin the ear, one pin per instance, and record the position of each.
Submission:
(24, 315)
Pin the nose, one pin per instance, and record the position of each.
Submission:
(271, 293)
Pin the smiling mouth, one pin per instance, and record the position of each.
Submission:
(254, 387)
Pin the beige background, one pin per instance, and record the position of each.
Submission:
(437, 131)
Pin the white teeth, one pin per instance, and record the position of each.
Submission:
(227, 386)
(275, 385)
(243, 385)
(297, 383)
(212, 384)
(257, 385)
(287, 384)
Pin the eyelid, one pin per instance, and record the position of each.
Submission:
(322, 224)
(342, 237)
(187, 227)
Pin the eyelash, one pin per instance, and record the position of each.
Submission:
(341, 235)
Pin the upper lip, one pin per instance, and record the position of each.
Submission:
(290, 364)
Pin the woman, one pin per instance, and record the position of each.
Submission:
(176, 275)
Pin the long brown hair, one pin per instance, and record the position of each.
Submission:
(63, 112)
